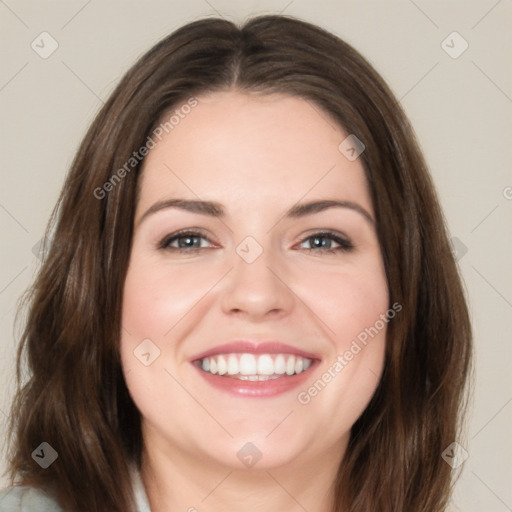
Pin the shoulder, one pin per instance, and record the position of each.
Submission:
(26, 499)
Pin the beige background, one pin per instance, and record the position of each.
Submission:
(461, 109)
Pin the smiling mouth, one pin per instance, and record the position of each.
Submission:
(252, 367)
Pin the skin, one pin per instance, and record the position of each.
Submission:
(258, 156)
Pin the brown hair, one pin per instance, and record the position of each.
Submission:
(75, 397)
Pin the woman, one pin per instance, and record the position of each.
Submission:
(249, 293)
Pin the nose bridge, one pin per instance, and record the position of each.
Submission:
(255, 286)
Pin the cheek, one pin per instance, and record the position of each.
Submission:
(161, 304)
(352, 305)
(157, 297)
(346, 300)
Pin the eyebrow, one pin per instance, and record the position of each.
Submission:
(215, 209)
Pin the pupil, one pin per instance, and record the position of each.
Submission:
(317, 238)
(186, 240)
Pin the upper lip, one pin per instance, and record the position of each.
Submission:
(254, 347)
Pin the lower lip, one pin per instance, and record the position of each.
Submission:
(262, 388)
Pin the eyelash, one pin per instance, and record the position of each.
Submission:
(344, 244)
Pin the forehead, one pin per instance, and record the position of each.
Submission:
(274, 147)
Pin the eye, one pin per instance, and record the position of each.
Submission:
(187, 241)
(322, 242)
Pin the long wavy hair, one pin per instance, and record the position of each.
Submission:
(74, 396)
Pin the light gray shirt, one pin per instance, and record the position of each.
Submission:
(28, 499)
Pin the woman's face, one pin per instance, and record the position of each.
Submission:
(254, 337)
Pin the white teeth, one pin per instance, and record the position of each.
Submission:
(247, 364)
(222, 366)
(255, 367)
(257, 377)
(280, 365)
(232, 364)
(265, 365)
(290, 365)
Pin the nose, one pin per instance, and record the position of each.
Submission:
(258, 290)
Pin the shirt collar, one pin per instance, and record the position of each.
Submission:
(139, 492)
